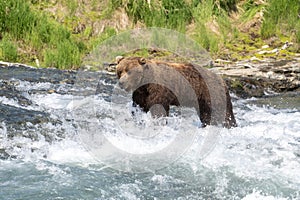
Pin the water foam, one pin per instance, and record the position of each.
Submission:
(259, 159)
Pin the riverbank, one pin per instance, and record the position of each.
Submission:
(257, 78)
(61, 33)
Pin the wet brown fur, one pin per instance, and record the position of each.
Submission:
(131, 72)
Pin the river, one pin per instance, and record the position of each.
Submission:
(44, 156)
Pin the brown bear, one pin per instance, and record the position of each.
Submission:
(156, 85)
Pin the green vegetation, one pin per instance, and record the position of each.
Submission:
(8, 50)
(150, 53)
(281, 18)
(168, 14)
(211, 24)
(60, 33)
(52, 43)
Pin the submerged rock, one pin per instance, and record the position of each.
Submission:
(12, 115)
(4, 155)
(31, 74)
(22, 87)
(8, 90)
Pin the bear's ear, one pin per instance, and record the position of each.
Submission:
(119, 58)
(142, 61)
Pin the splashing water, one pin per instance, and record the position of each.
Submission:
(260, 159)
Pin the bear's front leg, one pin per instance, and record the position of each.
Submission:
(158, 110)
(134, 109)
(204, 112)
(158, 106)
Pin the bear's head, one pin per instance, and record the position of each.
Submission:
(130, 72)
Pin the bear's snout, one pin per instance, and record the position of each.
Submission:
(124, 85)
(121, 84)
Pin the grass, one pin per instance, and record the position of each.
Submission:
(66, 54)
(107, 33)
(8, 49)
(174, 14)
(209, 15)
(72, 6)
(29, 30)
(52, 43)
(281, 17)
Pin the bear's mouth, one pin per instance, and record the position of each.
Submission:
(124, 87)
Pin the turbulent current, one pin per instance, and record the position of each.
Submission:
(46, 152)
